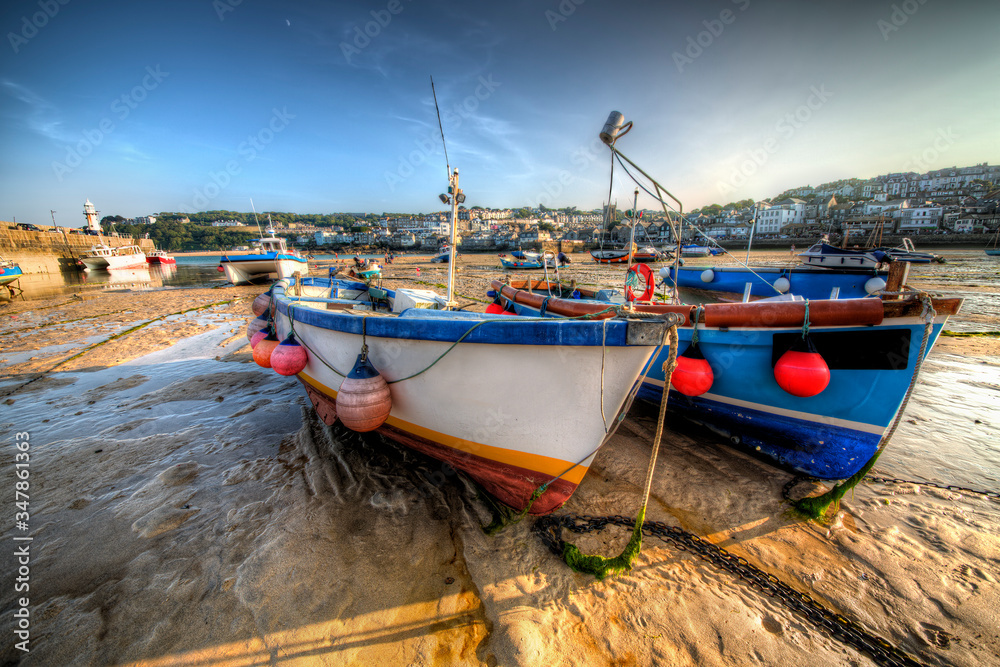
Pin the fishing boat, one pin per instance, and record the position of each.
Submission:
(612, 256)
(514, 264)
(811, 385)
(906, 252)
(695, 250)
(525, 254)
(647, 254)
(443, 256)
(9, 271)
(994, 249)
(366, 269)
(409, 364)
(270, 260)
(103, 257)
(825, 255)
(728, 283)
(870, 347)
(159, 257)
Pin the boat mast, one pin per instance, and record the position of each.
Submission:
(635, 220)
(753, 226)
(455, 193)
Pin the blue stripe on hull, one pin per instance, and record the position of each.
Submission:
(812, 448)
(809, 284)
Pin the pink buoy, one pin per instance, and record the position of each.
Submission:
(289, 358)
(364, 400)
(256, 324)
(261, 303)
(262, 353)
(693, 375)
(259, 336)
(495, 309)
(802, 371)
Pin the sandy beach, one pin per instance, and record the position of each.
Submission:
(187, 507)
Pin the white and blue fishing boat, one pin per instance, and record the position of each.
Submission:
(994, 250)
(695, 250)
(409, 364)
(870, 347)
(270, 260)
(732, 282)
(825, 255)
(515, 264)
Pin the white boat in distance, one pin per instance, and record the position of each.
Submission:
(270, 261)
(103, 257)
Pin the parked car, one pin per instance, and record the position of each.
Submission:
(28, 227)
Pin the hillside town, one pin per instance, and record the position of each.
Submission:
(956, 200)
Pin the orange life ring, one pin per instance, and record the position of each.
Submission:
(638, 274)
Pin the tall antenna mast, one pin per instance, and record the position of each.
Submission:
(454, 197)
(447, 164)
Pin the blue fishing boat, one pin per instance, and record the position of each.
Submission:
(269, 261)
(730, 282)
(514, 264)
(869, 346)
(9, 271)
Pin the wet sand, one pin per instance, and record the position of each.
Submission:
(188, 508)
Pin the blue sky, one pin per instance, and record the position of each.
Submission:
(198, 105)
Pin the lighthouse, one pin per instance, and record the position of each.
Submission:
(91, 214)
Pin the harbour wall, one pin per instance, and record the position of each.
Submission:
(56, 252)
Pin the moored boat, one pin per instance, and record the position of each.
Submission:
(695, 250)
(870, 347)
(435, 361)
(159, 257)
(270, 260)
(647, 254)
(995, 248)
(103, 257)
(825, 255)
(9, 271)
(609, 256)
(906, 252)
(514, 264)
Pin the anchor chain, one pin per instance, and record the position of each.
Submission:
(993, 495)
(880, 479)
(836, 625)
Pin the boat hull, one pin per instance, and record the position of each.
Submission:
(610, 256)
(243, 269)
(993, 251)
(520, 265)
(871, 356)
(499, 437)
(809, 283)
(9, 274)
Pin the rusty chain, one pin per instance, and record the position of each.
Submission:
(836, 625)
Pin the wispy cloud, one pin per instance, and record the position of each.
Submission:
(39, 115)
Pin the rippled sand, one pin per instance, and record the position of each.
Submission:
(187, 508)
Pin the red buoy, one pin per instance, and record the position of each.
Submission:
(259, 336)
(289, 358)
(802, 371)
(219, 268)
(261, 303)
(363, 401)
(693, 375)
(256, 324)
(262, 353)
(495, 309)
